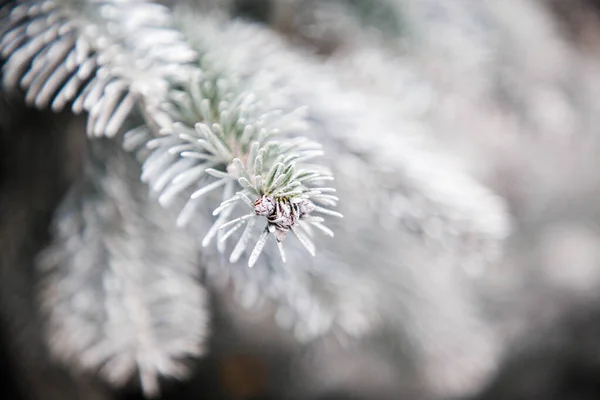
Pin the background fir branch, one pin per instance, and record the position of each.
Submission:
(121, 295)
(331, 26)
(468, 107)
(407, 176)
(471, 70)
(101, 56)
(39, 153)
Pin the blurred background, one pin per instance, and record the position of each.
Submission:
(463, 135)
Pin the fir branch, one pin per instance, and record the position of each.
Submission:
(102, 56)
(57, 52)
(310, 299)
(119, 283)
(219, 136)
(204, 131)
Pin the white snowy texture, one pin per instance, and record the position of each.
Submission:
(120, 285)
(101, 56)
(457, 139)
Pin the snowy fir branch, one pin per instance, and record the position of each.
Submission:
(101, 57)
(201, 131)
(170, 225)
(121, 295)
(106, 56)
(237, 149)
